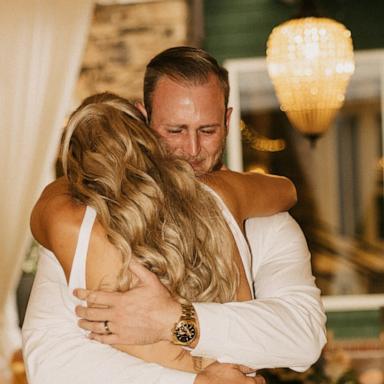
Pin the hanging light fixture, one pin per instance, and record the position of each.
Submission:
(310, 61)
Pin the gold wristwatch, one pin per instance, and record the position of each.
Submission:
(185, 330)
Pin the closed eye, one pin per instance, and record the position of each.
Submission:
(208, 131)
(174, 130)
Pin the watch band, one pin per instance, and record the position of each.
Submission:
(187, 312)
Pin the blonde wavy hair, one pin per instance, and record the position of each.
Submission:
(150, 203)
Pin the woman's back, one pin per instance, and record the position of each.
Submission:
(53, 342)
(55, 348)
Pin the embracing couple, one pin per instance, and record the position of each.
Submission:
(190, 273)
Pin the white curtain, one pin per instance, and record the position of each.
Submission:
(41, 46)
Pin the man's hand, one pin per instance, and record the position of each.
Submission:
(219, 373)
(143, 315)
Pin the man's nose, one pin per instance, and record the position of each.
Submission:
(192, 147)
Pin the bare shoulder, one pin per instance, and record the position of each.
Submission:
(55, 222)
(55, 211)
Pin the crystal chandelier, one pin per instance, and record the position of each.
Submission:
(310, 61)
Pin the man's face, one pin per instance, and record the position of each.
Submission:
(191, 120)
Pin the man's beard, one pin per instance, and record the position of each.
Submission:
(219, 162)
(217, 165)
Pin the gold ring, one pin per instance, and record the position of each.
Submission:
(106, 327)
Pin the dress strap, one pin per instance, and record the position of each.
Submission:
(77, 277)
(238, 235)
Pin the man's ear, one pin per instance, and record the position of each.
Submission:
(140, 106)
(228, 114)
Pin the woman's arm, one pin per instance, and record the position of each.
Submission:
(252, 194)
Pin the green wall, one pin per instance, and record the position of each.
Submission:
(240, 28)
(356, 324)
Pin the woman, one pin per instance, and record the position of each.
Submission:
(131, 203)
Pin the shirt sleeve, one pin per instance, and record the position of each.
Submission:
(285, 325)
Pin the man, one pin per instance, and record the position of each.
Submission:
(185, 101)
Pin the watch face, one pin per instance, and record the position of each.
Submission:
(185, 332)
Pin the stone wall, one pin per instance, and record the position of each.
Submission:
(122, 40)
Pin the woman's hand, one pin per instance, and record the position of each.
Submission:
(218, 373)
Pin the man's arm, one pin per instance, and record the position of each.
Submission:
(285, 325)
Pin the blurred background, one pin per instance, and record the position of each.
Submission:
(55, 53)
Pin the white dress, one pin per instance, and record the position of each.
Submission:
(57, 351)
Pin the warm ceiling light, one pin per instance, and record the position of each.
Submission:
(310, 61)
